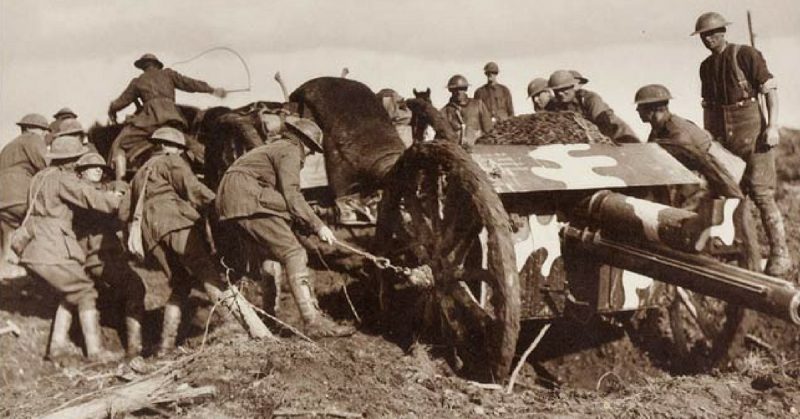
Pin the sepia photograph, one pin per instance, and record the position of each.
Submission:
(399, 209)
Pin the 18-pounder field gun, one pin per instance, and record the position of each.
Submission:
(513, 232)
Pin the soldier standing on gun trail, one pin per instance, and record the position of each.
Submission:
(156, 89)
(469, 117)
(20, 159)
(53, 254)
(260, 196)
(494, 95)
(731, 78)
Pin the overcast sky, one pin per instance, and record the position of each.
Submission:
(80, 53)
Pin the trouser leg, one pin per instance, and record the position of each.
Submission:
(760, 178)
(274, 235)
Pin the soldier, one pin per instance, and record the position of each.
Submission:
(540, 95)
(106, 259)
(20, 159)
(494, 95)
(731, 78)
(59, 117)
(469, 117)
(688, 143)
(589, 104)
(73, 128)
(156, 89)
(53, 254)
(260, 196)
(170, 199)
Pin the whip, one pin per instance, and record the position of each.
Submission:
(230, 50)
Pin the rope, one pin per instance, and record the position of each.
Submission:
(228, 49)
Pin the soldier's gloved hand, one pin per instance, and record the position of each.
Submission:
(220, 92)
(773, 136)
(325, 234)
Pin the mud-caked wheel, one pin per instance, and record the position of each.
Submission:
(689, 332)
(440, 212)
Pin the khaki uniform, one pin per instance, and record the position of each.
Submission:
(54, 253)
(156, 89)
(469, 120)
(260, 194)
(172, 229)
(20, 159)
(497, 99)
(106, 259)
(592, 107)
(730, 82)
(690, 145)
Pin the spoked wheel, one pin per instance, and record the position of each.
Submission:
(439, 211)
(690, 332)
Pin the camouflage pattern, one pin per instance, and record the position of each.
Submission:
(559, 167)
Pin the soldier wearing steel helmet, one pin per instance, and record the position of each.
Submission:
(589, 104)
(469, 118)
(54, 254)
(72, 127)
(20, 160)
(155, 87)
(170, 199)
(688, 143)
(540, 94)
(106, 259)
(260, 197)
(494, 95)
(731, 79)
(58, 118)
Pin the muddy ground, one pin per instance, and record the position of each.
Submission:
(578, 370)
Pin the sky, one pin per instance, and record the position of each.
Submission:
(80, 53)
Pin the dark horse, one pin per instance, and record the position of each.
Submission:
(424, 114)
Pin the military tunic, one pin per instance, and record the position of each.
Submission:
(106, 258)
(497, 99)
(20, 159)
(260, 194)
(730, 83)
(54, 253)
(474, 116)
(171, 230)
(592, 107)
(689, 144)
(156, 89)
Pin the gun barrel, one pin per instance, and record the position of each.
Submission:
(699, 273)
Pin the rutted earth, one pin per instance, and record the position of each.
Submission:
(371, 376)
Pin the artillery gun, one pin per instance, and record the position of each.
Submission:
(511, 233)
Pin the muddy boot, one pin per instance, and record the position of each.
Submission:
(779, 263)
(317, 323)
(58, 350)
(169, 331)
(92, 337)
(133, 331)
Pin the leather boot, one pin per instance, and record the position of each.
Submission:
(59, 336)
(779, 263)
(133, 331)
(317, 323)
(169, 331)
(92, 337)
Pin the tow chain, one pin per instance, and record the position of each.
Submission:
(421, 276)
